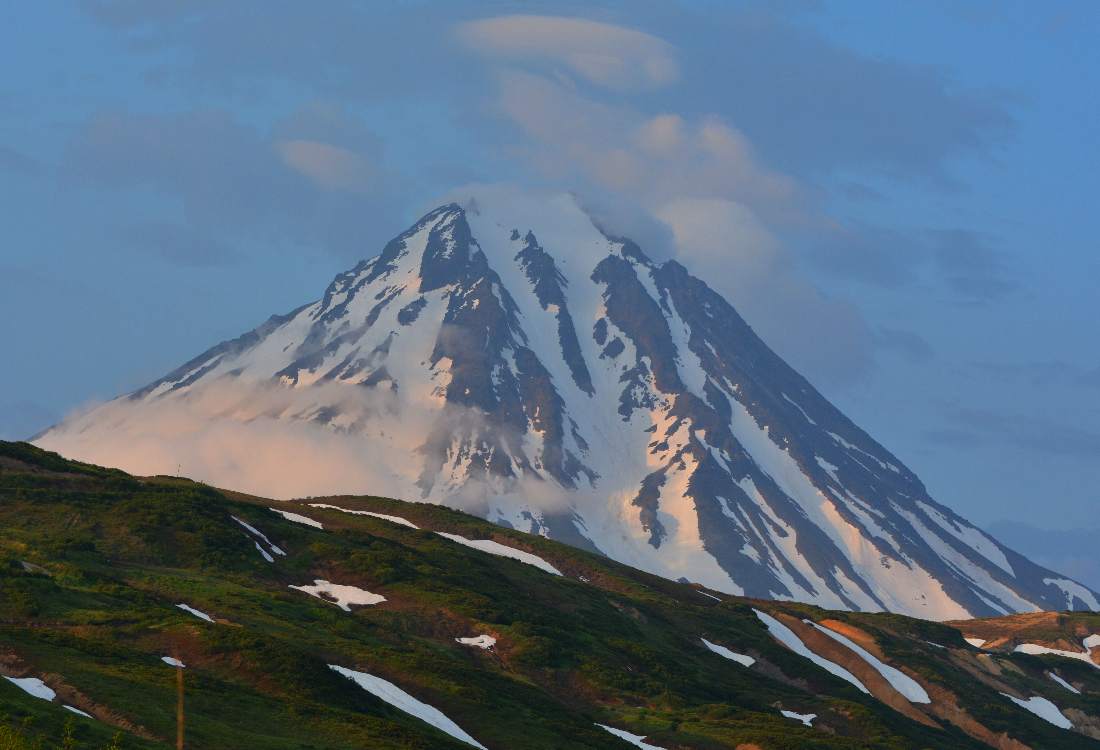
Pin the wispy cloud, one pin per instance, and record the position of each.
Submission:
(1051, 438)
(601, 53)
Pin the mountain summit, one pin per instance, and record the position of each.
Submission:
(509, 357)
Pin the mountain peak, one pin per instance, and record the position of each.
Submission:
(507, 355)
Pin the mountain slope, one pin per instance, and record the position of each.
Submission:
(95, 565)
(511, 359)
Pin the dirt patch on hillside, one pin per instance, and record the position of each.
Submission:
(11, 665)
(824, 646)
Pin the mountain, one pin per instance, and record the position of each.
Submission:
(509, 357)
(348, 622)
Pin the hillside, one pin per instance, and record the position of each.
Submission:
(95, 563)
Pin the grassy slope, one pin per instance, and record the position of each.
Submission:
(117, 553)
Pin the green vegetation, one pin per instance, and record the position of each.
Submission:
(93, 562)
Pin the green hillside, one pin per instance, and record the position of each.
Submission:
(93, 563)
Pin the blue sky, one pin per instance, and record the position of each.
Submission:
(899, 196)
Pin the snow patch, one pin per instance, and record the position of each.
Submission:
(829, 468)
(806, 719)
(795, 404)
(77, 711)
(297, 518)
(787, 637)
(401, 700)
(33, 686)
(195, 612)
(342, 596)
(263, 552)
(495, 548)
(1093, 641)
(975, 642)
(1063, 683)
(747, 661)
(256, 532)
(1074, 590)
(173, 662)
(900, 681)
(481, 641)
(1042, 708)
(637, 740)
(383, 516)
(1036, 650)
(971, 537)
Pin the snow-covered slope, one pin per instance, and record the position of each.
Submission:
(558, 380)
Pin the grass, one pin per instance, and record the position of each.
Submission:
(111, 555)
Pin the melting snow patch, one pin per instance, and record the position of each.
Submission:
(172, 662)
(33, 686)
(77, 711)
(787, 637)
(341, 596)
(634, 739)
(1074, 590)
(829, 468)
(297, 518)
(975, 642)
(935, 644)
(900, 681)
(383, 516)
(398, 698)
(481, 641)
(806, 719)
(263, 552)
(1042, 708)
(747, 661)
(795, 404)
(495, 548)
(712, 596)
(195, 612)
(261, 535)
(1063, 683)
(1035, 650)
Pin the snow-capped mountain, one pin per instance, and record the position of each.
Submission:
(563, 383)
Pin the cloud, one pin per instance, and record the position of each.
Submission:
(1090, 379)
(701, 179)
(600, 53)
(328, 166)
(274, 441)
(912, 346)
(218, 177)
(331, 148)
(177, 243)
(725, 244)
(634, 104)
(571, 136)
(837, 110)
(963, 263)
(969, 265)
(1040, 373)
(1031, 434)
(17, 162)
(814, 107)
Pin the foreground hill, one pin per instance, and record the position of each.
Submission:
(351, 622)
(510, 358)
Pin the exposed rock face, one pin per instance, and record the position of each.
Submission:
(556, 361)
